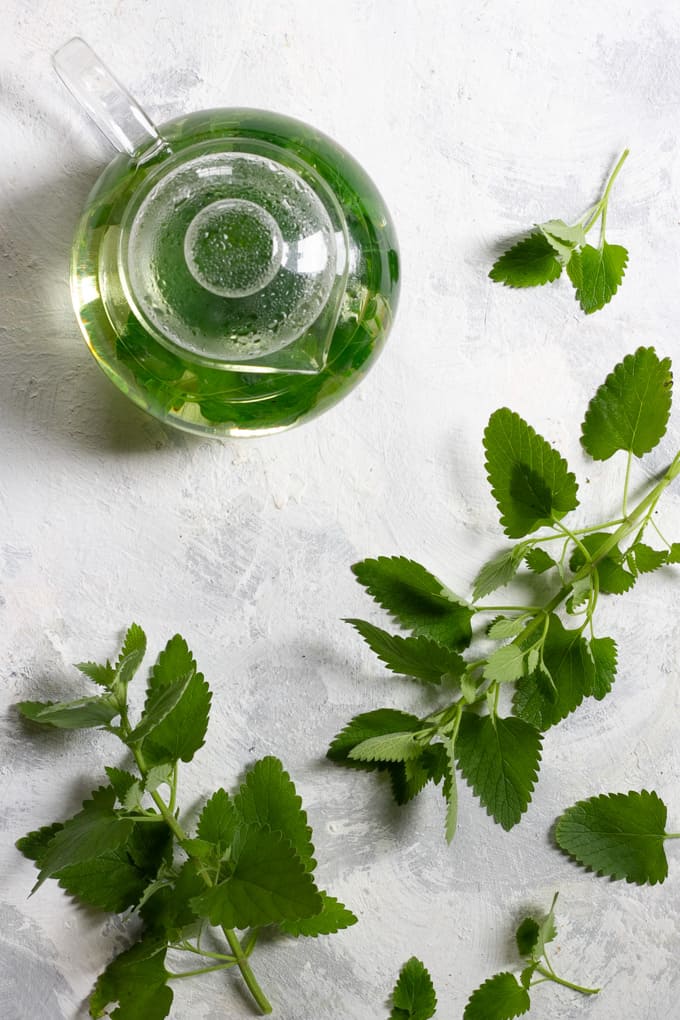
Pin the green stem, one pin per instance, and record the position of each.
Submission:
(244, 967)
(672, 835)
(186, 947)
(565, 983)
(200, 970)
(605, 196)
(626, 483)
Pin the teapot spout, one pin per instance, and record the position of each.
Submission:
(117, 115)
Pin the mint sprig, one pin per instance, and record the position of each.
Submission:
(546, 653)
(249, 865)
(595, 272)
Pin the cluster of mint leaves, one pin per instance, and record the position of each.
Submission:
(595, 272)
(550, 666)
(502, 996)
(248, 866)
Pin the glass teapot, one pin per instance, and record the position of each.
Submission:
(234, 272)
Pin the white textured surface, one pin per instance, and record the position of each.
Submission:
(476, 119)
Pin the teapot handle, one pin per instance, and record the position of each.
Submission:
(110, 106)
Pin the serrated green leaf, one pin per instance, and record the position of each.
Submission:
(334, 916)
(269, 883)
(620, 835)
(409, 777)
(498, 572)
(502, 997)
(527, 975)
(604, 654)
(416, 599)
(417, 657)
(499, 759)
(388, 747)
(168, 911)
(137, 981)
(630, 409)
(413, 996)
(529, 480)
(219, 821)
(451, 790)
(182, 731)
(674, 553)
(159, 703)
(268, 798)
(379, 722)
(613, 578)
(94, 831)
(529, 263)
(81, 714)
(128, 788)
(648, 559)
(504, 627)
(571, 673)
(34, 844)
(103, 676)
(131, 654)
(505, 665)
(538, 560)
(567, 235)
(580, 594)
(596, 273)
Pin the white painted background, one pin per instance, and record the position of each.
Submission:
(477, 119)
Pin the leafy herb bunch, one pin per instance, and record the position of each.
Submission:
(551, 667)
(250, 863)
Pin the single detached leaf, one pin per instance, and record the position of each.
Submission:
(617, 834)
(529, 480)
(596, 273)
(538, 560)
(529, 263)
(413, 997)
(604, 654)
(499, 758)
(219, 821)
(416, 599)
(269, 883)
(380, 722)
(502, 997)
(268, 798)
(83, 713)
(613, 578)
(388, 747)
(646, 558)
(498, 572)
(417, 657)
(630, 409)
(505, 665)
(334, 916)
(570, 673)
(136, 981)
(182, 732)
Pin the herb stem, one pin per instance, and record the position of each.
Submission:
(626, 483)
(199, 970)
(567, 984)
(244, 967)
(605, 196)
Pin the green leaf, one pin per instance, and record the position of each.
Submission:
(379, 722)
(451, 790)
(529, 263)
(674, 553)
(617, 834)
(630, 409)
(334, 916)
(168, 911)
(160, 702)
(532, 936)
(34, 844)
(596, 273)
(413, 997)
(219, 821)
(94, 831)
(104, 676)
(499, 758)
(131, 654)
(529, 480)
(571, 677)
(538, 561)
(498, 572)
(502, 997)
(269, 883)
(388, 747)
(604, 654)
(182, 731)
(613, 578)
(83, 713)
(505, 665)
(646, 558)
(559, 232)
(268, 798)
(409, 777)
(504, 627)
(128, 788)
(417, 657)
(416, 599)
(136, 981)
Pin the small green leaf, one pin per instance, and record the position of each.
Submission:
(182, 732)
(409, 777)
(527, 936)
(504, 627)
(389, 747)
(529, 480)
(219, 821)
(570, 673)
(529, 263)
(167, 909)
(137, 981)
(617, 834)
(417, 657)
(128, 788)
(630, 409)
(502, 997)
(499, 758)
(648, 559)
(614, 579)
(380, 722)
(498, 572)
(131, 654)
(83, 713)
(416, 599)
(538, 560)
(596, 273)
(334, 916)
(674, 553)
(604, 654)
(104, 676)
(451, 790)
(268, 798)
(566, 235)
(159, 703)
(505, 665)
(413, 997)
